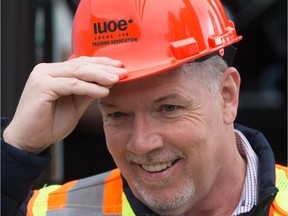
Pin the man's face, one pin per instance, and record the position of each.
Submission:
(166, 134)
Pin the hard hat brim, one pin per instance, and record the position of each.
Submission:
(172, 63)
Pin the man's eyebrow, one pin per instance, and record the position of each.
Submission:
(167, 97)
(158, 100)
(106, 104)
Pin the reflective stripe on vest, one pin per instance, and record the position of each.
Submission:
(280, 204)
(97, 195)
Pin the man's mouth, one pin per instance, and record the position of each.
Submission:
(157, 167)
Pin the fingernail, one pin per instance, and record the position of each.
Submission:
(117, 62)
(113, 77)
(121, 76)
(121, 69)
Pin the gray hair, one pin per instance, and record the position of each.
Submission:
(209, 71)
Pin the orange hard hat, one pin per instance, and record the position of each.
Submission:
(151, 36)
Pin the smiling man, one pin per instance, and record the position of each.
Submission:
(168, 103)
(169, 135)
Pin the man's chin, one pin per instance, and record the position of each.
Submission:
(165, 201)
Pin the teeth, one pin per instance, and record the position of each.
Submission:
(156, 167)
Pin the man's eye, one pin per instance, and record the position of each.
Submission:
(116, 115)
(169, 108)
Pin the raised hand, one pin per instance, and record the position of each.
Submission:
(55, 97)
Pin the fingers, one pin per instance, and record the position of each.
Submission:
(100, 60)
(73, 86)
(91, 76)
(100, 70)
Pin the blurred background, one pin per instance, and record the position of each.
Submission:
(35, 31)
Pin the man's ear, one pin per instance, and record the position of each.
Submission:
(230, 94)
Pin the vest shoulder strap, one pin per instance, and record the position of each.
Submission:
(280, 206)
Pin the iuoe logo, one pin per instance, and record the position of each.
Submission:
(110, 26)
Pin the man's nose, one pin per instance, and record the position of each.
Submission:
(145, 136)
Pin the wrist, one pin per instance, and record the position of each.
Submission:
(10, 138)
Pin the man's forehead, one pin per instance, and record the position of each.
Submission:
(170, 76)
(166, 96)
(169, 86)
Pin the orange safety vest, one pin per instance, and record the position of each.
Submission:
(279, 206)
(103, 195)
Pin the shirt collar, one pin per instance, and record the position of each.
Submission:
(250, 191)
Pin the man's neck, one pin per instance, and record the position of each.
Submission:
(225, 195)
